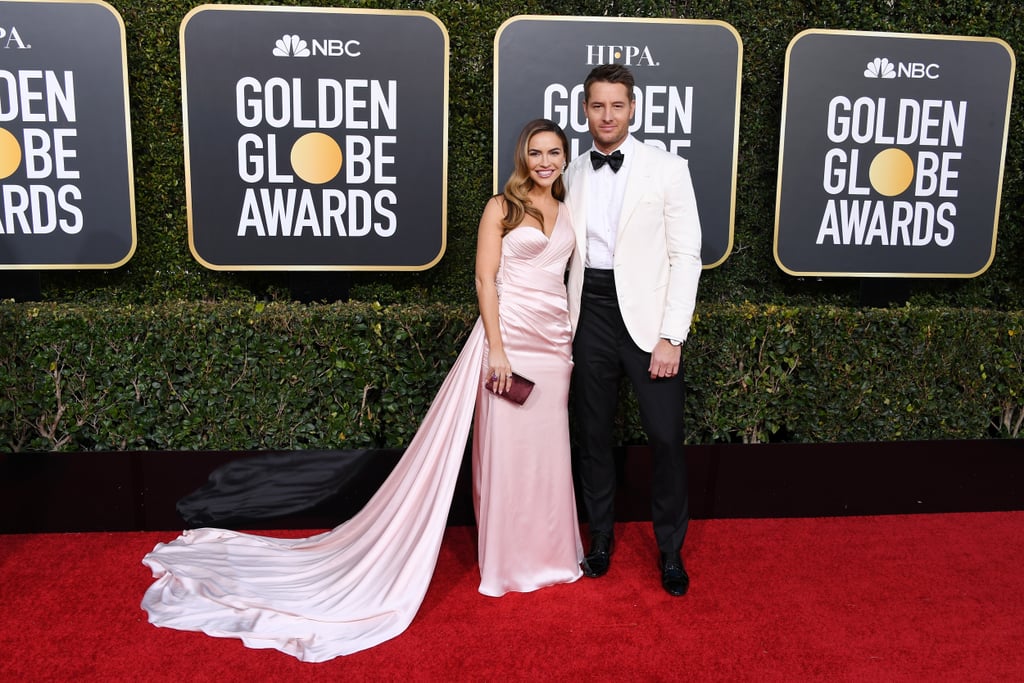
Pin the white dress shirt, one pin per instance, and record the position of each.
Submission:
(606, 190)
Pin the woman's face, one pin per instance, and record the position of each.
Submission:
(545, 158)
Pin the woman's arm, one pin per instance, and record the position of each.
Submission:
(488, 260)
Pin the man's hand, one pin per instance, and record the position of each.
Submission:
(665, 359)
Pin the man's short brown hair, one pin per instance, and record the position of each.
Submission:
(609, 73)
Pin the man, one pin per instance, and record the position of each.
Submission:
(632, 291)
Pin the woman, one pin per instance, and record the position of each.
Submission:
(522, 480)
(361, 583)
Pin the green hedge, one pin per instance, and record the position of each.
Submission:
(288, 376)
(219, 376)
(761, 373)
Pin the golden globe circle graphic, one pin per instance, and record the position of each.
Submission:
(891, 172)
(10, 153)
(316, 158)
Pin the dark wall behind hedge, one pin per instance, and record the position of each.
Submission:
(163, 269)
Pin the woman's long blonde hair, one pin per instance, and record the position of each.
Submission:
(517, 189)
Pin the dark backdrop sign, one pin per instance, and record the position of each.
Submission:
(687, 92)
(66, 194)
(315, 138)
(891, 158)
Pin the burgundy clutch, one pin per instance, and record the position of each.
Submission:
(518, 390)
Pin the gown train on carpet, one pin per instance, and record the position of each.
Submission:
(362, 583)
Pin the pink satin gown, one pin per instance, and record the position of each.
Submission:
(362, 583)
(522, 475)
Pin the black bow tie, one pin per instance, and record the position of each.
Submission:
(614, 160)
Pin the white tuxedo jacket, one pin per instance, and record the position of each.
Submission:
(657, 248)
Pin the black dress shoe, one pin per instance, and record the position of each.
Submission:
(674, 578)
(597, 561)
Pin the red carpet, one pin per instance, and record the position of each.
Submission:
(907, 598)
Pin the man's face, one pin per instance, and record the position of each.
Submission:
(609, 109)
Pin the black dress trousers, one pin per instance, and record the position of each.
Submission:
(602, 351)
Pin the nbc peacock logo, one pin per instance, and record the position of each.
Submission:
(880, 67)
(291, 46)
